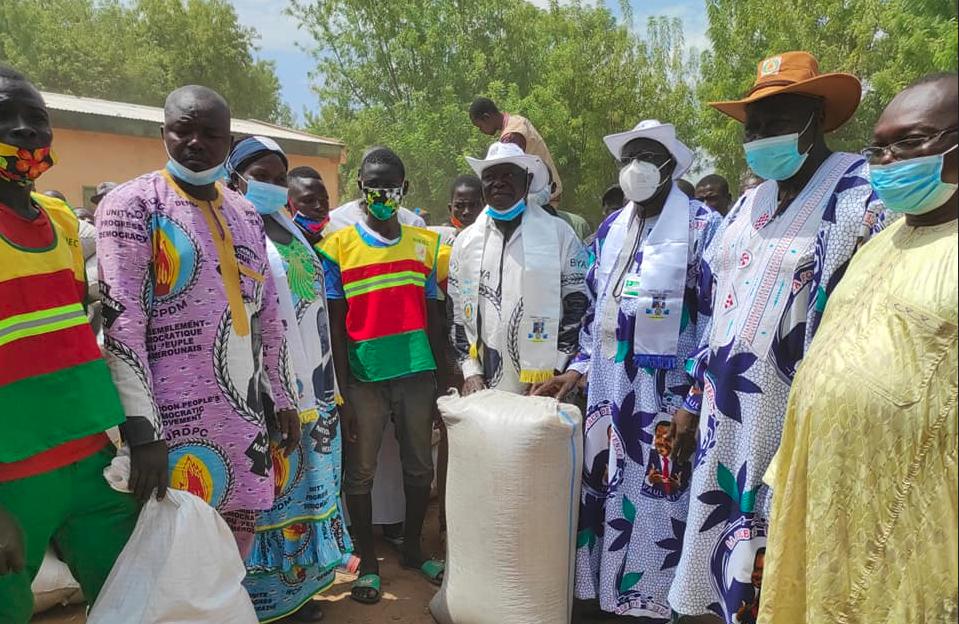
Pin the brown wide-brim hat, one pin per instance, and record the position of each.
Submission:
(798, 72)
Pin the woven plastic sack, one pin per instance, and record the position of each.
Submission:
(512, 504)
(54, 585)
(181, 565)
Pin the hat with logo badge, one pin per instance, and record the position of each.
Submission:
(798, 72)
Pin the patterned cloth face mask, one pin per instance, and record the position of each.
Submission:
(22, 166)
(309, 224)
(383, 203)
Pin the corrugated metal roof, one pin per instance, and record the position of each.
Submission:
(138, 112)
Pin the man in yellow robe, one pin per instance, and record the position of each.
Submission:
(864, 524)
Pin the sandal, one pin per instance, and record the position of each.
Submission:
(432, 569)
(366, 589)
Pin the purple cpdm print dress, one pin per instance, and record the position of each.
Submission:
(194, 339)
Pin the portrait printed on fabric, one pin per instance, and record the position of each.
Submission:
(664, 479)
(748, 611)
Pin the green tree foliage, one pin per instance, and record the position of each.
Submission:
(886, 43)
(403, 73)
(139, 51)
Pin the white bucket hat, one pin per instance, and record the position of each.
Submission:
(663, 133)
(500, 153)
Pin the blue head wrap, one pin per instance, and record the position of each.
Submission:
(251, 148)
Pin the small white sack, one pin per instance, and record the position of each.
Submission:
(512, 505)
(54, 585)
(180, 566)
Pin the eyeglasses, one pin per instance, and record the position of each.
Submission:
(650, 157)
(901, 150)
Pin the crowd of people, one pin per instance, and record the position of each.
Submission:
(767, 379)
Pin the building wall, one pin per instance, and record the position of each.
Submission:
(84, 159)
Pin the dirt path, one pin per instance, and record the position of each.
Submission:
(406, 595)
(405, 601)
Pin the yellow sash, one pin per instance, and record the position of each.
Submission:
(226, 254)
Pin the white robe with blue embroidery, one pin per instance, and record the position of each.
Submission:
(744, 393)
(633, 502)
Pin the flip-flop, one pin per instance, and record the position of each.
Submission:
(360, 591)
(432, 569)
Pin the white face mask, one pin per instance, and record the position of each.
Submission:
(640, 180)
(540, 197)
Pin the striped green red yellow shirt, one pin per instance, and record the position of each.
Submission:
(386, 285)
(54, 385)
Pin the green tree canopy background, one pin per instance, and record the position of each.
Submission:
(403, 73)
(887, 44)
(139, 50)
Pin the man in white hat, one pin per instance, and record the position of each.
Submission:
(634, 343)
(517, 280)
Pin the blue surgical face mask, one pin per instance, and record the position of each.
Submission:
(194, 178)
(266, 198)
(778, 157)
(912, 186)
(509, 214)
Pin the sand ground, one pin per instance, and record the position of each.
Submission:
(406, 594)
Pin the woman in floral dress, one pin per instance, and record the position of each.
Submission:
(299, 542)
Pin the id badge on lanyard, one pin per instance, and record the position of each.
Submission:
(609, 320)
(630, 286)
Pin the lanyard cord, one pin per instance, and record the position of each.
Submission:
(618, 284)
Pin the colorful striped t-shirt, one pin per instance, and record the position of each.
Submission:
(386, 284)
(54, 385)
